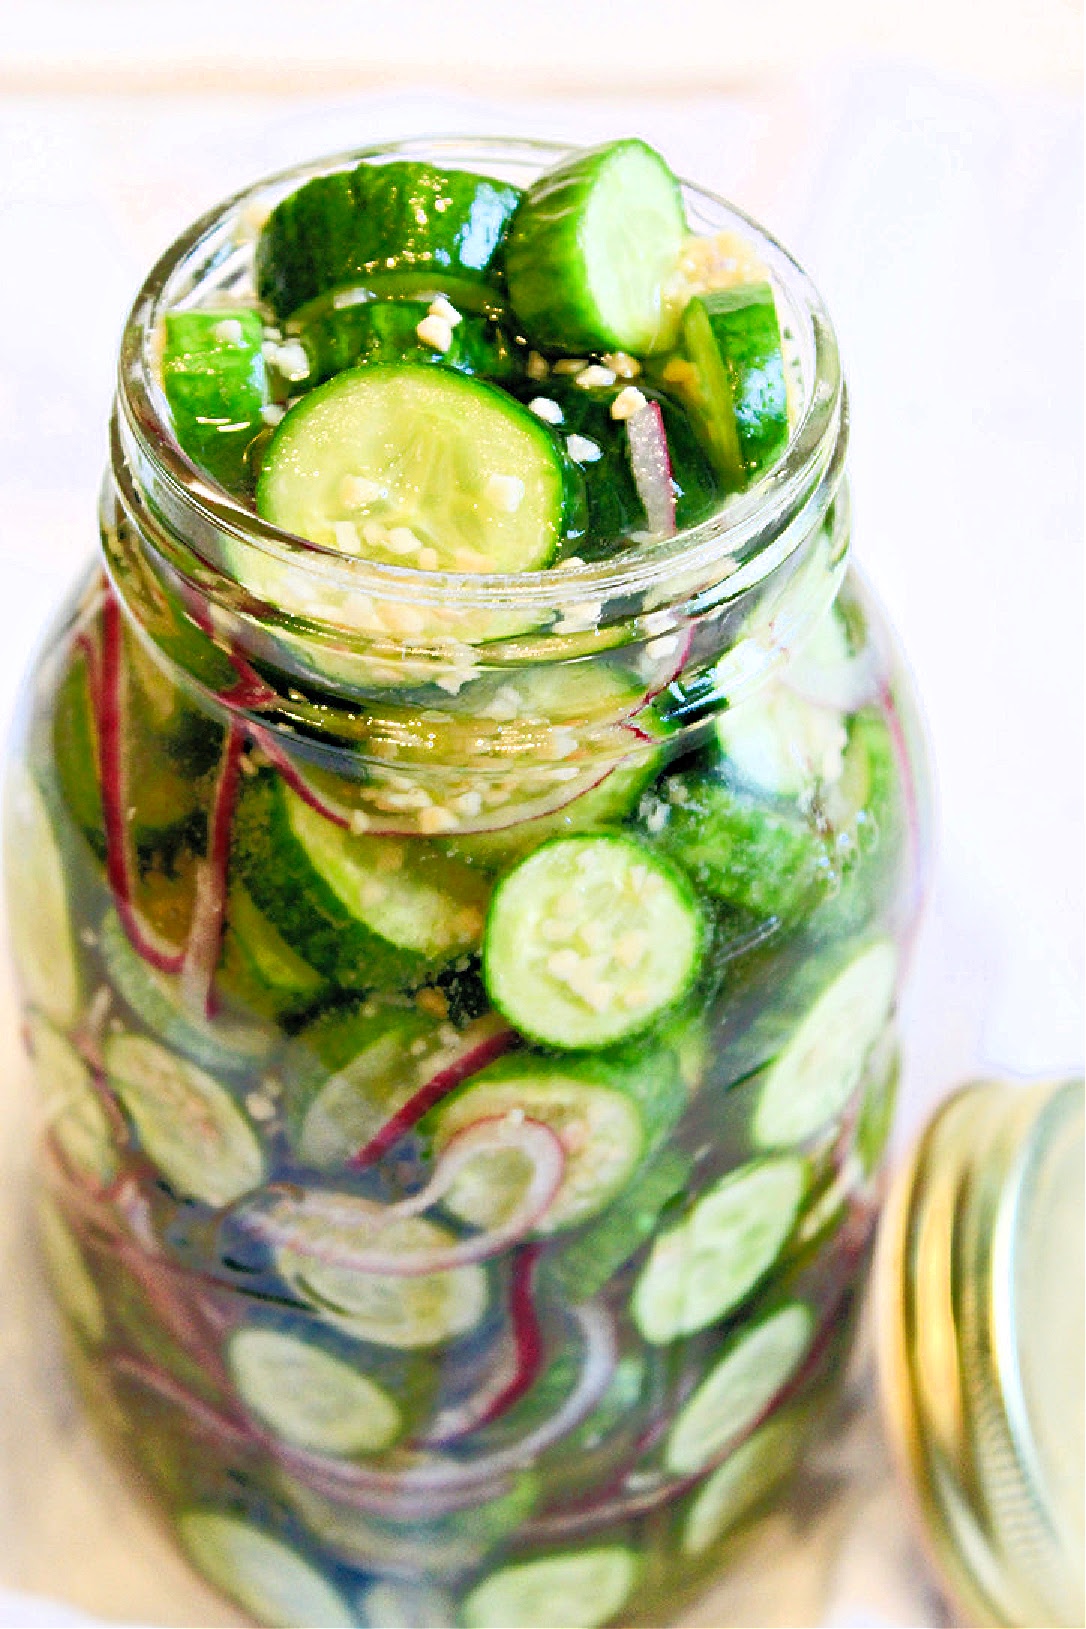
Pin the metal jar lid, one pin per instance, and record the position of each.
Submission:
(979, 1295)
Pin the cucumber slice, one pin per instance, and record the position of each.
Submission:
(576, 1589)
(74, 1113)
(258, 970)
(265, 1576)
(39, 914)
(744, 1481)
(339, 336)
(401, 1605)
(216, 384)
(188, 1124)
(384, 451)
(73, 1286)
(403, 1312)
(596, 1117)
(402, 216)
(591, 248)
(732, 339)
(369, 912)
(812, 1079)
(586, 1265)
(590, 940)
(876, 1120)
(310, 1397)
(700, 1271)
(783, 745)
(158, 1001)
(75, 755)
(756, 1364)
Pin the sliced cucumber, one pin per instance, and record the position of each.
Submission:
(158, 1001)
(258, 970)
(732, 339)
(876, 1120)
(75, 1115)
(406, 1605)
(406, 463)
(586, 1265)
(39, 913)
(404, 1312)
(756, 1364)
(811, 1080)
(398, 217)
(575, 1589)
(336, 336)
(216, 383)
(590, 940)
(782, 744)
(75, 755)
(369, 912)
(73, 1286)
(591, 249)
(597, 1118)
(744, 1481)
(310, 1397)
(265, 1576)
(711, 1262)
(188, 1124)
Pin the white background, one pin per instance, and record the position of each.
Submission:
(924, 162)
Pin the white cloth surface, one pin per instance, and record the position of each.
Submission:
(941, 219)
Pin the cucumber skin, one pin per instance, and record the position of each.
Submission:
(338, 228)
(754, 362)
(385, 331)
(215, 391)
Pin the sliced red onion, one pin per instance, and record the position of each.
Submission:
(516, 1371)
(651, 465)
(483, 1041)
(340, 814)
(212, 1422)
(209, 908)
(286, 1227)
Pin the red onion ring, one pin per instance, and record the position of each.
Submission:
(651, 466)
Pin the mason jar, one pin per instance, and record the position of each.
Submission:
(417, 1281)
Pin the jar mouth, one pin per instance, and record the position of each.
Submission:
(743, 541)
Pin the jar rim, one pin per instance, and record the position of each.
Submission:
(743, 540)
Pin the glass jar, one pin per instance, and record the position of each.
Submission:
(406, 1313)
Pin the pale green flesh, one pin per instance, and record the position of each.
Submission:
(706, 1266)
(782, 743)
(73, 1285)
(188, 1123)
(268, 1578)
(404, 1312)
(309, 1397)
(574, 1591)
(588, 940)
(354, 1103)
(426, 444)
(75, 1116)
(599, 1128)
(743, 1384)
(634, 202)
(822, 1064)
(742, 1482)
(39, 915)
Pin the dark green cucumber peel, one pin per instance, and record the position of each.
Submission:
(402, 216)
(383, 330)
(216, 384)
(732, 338)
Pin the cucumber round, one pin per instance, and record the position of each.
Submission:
(756, 1364)
(782, 744)
(403, 1312)
(745, 1479)
(474, 477)
(601, 1127)
(74, 1113)
(258, 971)
(703, 1269)
(591, 248)
(590, 940)
(813, 1077)
(310, 1397)
(188, 1124)
(576, 1589)
(593, 1258)
(732, 339)
(403, 216)
(337, 336)
(216, 384)
(265, 1576)
(42, 937)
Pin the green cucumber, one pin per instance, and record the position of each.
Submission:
(815, 1074)
(876, 1121)
(258, 971)
(75, 1289)
(345, 334)
(405, 1604)
(783, 745)
(398, 217)
(216, 385)
(745, 1480)
(414, 466)
(75, 756)
(591, 249)
(267, 1577)
(757, 1362)
(310, 1397)
(581, 1589)
(731, 338)
(597, 1254)
(369, 912)
(74, 1112)
(590, 940)
(408, 1312)
(188, 1123)
(39, 911)
(702, 1270)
